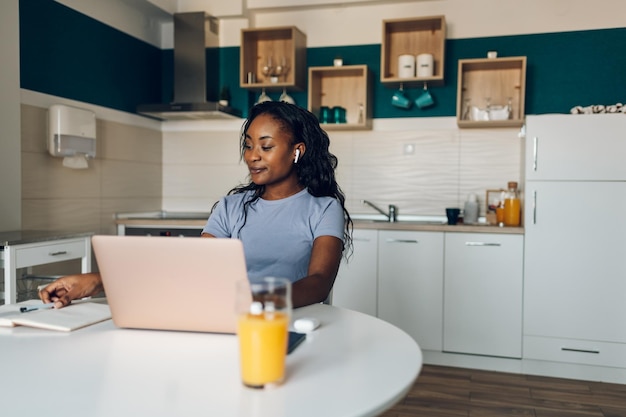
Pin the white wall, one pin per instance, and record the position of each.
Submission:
(340, 22)
(361, 24)
(10, 166)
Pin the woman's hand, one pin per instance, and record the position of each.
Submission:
(62, 291)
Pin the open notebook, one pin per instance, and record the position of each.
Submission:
(168, 283)
(77, 315)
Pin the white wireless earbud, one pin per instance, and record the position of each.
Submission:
(295, 161)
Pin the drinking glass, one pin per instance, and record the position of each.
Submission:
(264, 311)
(263, 97)
(286, 97)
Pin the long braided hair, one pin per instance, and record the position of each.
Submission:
(316, 168)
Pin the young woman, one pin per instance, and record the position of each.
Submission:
(290, 217)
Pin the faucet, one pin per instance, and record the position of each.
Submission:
(391, 216)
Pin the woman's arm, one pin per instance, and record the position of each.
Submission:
(323, 267)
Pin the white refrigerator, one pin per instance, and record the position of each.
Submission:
(575, 239)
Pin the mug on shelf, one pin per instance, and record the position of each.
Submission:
(339, 114)
(326, 115)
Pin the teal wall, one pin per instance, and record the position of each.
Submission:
(67, 54)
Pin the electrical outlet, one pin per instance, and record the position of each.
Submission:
(409, 149)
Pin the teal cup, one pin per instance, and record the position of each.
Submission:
(326, 115)
(339, 114)
(424, 100)
(399, 99)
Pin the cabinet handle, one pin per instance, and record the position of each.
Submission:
(566, 349)
(535, 151)
(402, 241)
(61, 252)
(535, 207)
(482, 244)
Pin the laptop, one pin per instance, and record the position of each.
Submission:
(171, 283)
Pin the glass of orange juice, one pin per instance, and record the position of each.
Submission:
(262, 330)
(500, 214)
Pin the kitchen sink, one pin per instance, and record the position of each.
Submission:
(415, 222)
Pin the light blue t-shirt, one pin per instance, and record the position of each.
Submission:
(278, 235)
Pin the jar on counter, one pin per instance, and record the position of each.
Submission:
(512, 205)
(470, 210)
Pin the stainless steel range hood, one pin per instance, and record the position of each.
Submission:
(193, 32)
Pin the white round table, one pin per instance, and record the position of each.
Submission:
(352, 365)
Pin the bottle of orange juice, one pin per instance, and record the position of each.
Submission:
(512, 206)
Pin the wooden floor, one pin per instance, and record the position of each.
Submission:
(452, 392)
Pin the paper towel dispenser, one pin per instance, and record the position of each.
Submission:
(71, 135)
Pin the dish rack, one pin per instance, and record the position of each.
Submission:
(27, 287)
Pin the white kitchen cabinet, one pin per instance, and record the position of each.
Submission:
(31, 248)
(483, 294)
(575, 265)
(356, 282)
(575, 242)
(410, 284)
(575, 147)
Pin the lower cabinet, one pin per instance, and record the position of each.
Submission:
(483, 286)
(452, 292)
(356, 283)
(410, 284)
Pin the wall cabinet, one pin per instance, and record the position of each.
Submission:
(491, 92)
(574, 255)
(410, 284)
(483, 294)
(356, 283)
(276, 58)
(413, 36)
(345, 86)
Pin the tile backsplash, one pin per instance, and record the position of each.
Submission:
(444, 166)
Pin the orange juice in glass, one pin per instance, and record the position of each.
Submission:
(500, 215)
(262, 330)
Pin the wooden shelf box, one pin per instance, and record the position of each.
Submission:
(283, 45)
(413, 36)
(345, 86)
(497, 81)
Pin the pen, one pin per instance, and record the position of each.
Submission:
(36, 307)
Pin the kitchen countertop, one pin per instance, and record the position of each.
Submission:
(21, 237)
(441, 227)
(411, 223)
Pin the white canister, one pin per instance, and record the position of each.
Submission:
(406, 66)
(425, 65)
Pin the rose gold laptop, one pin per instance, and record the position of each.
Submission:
(171, 283)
